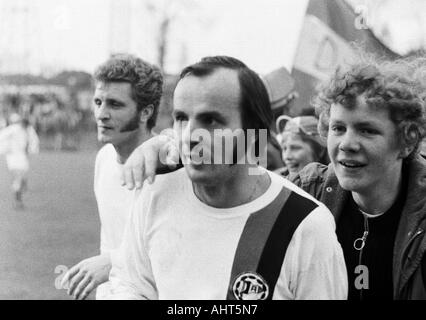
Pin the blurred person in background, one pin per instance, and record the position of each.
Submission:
(300, 142)
(126, 102)
(3, 122)
(17, 142)
(273, 149)
(374, 118)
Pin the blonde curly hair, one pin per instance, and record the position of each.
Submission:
(398, 86)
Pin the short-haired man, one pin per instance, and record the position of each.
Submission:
(215, 231)
(126, 101)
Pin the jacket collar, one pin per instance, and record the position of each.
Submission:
(413, 218)
(333, 195)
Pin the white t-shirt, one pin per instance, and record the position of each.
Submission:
(114, 203)
(177, 247)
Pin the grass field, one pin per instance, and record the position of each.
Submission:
(60, 225)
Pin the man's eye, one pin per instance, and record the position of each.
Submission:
(368, 131)
(337, 128)
(115, 104)
(97, 102)
(209, 121)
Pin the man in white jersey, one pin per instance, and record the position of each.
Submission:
(126, 101)
(217, 230)
(17, 142)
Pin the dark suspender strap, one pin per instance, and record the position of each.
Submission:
(253, 238)
(292, 214)
(265, 238)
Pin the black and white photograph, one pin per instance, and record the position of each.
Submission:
(201, 151)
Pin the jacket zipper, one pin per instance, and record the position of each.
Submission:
(418, 232)
(410, 241)
(359, 245)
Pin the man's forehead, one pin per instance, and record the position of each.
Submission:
(360, 112)
(112, 85)
(222, 83)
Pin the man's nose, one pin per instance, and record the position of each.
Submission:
(185, 131)
(349, 141)
(190, 134)
(102, 112)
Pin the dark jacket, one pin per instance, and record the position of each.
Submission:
(409, 260)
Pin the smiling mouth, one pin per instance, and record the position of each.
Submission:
(351, 164)
(292, 165)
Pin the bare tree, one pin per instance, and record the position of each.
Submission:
(168, 13)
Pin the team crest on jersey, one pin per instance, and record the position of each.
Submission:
(250, 286)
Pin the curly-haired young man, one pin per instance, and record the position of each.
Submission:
(374, 118)
(126, 101)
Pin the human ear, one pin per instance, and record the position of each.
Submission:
(406, 151)
(146, 113)
(411, 140)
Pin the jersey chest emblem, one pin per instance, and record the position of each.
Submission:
(250, 286)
